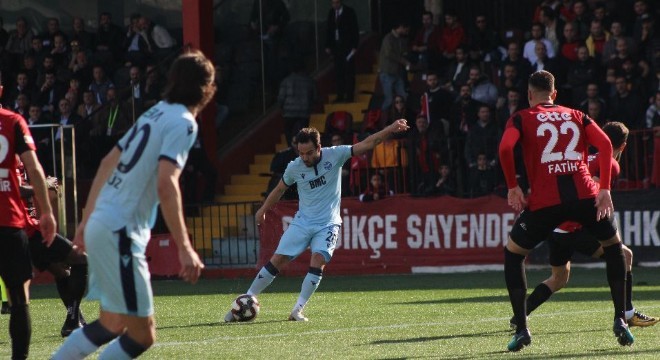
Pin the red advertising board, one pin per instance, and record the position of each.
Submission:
(397, 234)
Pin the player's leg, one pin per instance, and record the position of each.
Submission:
(560, 252)
(139, 336)
(615, 264)
(16, 270)
(529, 230)
(293, 242)
(633, 317)
(5, 299)
(322, 246)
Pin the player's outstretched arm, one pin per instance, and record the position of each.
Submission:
(271, 200)
(36, 175)
(372, 140)
(172, 209)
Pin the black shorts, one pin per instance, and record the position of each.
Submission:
(43, 256)
(15, 265)
(562, 246)
(532, 227)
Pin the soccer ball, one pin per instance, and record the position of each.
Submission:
(245, 308)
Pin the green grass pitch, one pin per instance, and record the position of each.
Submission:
(453, 316)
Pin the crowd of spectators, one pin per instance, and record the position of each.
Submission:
(459, 82)
(97, 81)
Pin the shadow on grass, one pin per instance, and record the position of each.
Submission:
(435, 338)
(221, 323)
(627, 352)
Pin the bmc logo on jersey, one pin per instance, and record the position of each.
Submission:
(553, 116)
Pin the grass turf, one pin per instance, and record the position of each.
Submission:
(454, 316)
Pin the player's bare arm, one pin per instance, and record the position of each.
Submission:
(515, 197)
(172, 209)
(36, 173)
(107, 166)
(599, 139)
(271, 200)
(372, 140)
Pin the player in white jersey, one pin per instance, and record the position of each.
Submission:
(142, 170)
(317, 172)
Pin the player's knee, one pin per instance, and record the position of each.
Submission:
(628, 254)
(17, 295)
(279, 261)
(317, 261)
(59, 270)
(74, 258)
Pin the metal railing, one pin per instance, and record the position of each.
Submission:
(224, 235)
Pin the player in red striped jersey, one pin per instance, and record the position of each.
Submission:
(569, 238)
(555, 141)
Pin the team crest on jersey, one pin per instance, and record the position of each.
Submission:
(302, 176)
(327, 165)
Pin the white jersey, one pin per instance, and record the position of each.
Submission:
(129, 198)
(319, 186)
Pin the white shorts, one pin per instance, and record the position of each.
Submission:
(118, 273)
(320, 239)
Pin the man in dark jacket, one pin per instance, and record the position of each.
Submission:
(341, 42)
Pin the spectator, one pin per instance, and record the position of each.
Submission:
(483, 90)
(277, 167)
(592, 93)
(509, 107)
(376, 190)
(483, 178)
(569, 45)
(52, 30)
(601, 14)
(393, 63)
(60, 52)
(452, 35)
(554, 26)
(586, 70)
(138, 47)
(653, 123)
(296, 97)
(89, 104)
(341, 41)
(50, 93)
(458, 70)
(153, 86)
(398, 110)
(424, 147)
(609, 48)
(435, 104)
(463, 116)
(30, 68)
(108, 41)
(622, 53)
(426, 44)
(484, 137)
(581, 19)
(626, 106)
(642, 13)
(595, 111)
(529, 52)
(543, 62)
(446, 184)
(135, 87)
(269, 24)
(65, 116)
(483, 41)
(4, 35)
(37, 49)
(81, 68)
(161, 42)
(22, 106)
(100, 84)
(596, 40)
(523, 66)
(20, 39)
(82, 37)
(22, 86)
(511, 80)
(109, 125)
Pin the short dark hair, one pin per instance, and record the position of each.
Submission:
(308, 134)
(188, 80)
(542, 80)
(617, 132)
